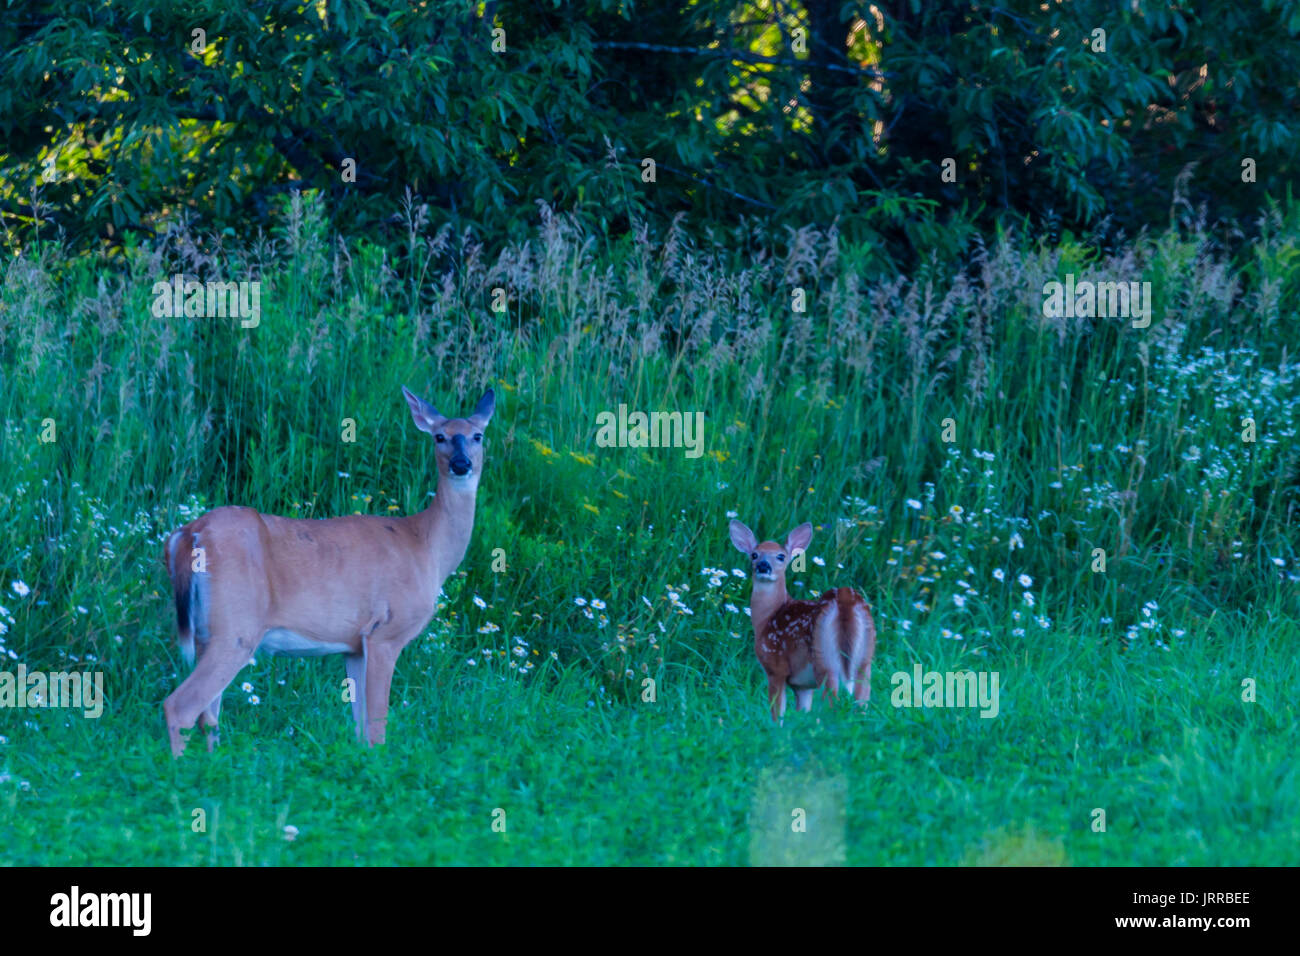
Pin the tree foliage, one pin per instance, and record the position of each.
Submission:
(113, 117)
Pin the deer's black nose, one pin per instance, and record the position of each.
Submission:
(460, 466)
(763, 567)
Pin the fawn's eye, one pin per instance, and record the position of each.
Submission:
(478, 437)
(753, 556)
(780, 557)
(440, 438)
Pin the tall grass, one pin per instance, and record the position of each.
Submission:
(1070, 435)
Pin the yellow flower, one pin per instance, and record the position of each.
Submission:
(592, 508)
(584, 459)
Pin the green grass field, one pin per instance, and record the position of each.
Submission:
(1160, 691)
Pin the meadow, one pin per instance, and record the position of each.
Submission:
(962, 455)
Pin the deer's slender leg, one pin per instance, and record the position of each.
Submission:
(862, 690)
(776, 694)
(381, 660)
(201, 691)
(356, 668)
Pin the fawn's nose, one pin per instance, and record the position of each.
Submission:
(460, 466)
(763, 567)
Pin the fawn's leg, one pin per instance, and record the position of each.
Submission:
(862, 686)
(776, 695)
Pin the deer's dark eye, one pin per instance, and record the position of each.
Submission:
(478, 437)
(754, 556)
(780, 557)
(440, 438)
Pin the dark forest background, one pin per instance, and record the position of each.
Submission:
(1087, 117)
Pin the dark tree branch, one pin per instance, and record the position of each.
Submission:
(743, 56)
(712, 185)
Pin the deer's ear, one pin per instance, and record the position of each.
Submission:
(797, 540)
(485, 407)
(742, 538)
(427, 418)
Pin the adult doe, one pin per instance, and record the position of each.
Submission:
(363, 586)
(804, 644)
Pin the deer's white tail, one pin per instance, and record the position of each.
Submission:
(843, 636)
(183, 591)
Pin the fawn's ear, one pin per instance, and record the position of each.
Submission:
(797, 540)
(742, 538)
(427, 418)
(485, 407)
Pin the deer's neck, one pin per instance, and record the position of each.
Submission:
(448, 524)
(765, 600)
